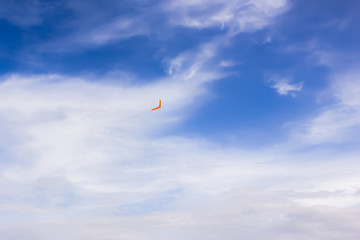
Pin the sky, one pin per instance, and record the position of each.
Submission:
(257, 136)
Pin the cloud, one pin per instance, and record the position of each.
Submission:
(190, 62)
(71, 131)
(121, 28)
(224, 63)
(339, 121)
(99, 34)
(236, 15)
(87, 155)
(284, 87)
(242, 213)
(79, 154)
(152, 20)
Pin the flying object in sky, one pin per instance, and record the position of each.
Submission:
(158, 106)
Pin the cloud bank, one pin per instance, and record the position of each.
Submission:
(89, 160)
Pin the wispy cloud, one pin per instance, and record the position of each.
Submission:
(121, 28)
(283, 86)
(339, 121)
(54, 120)
(224, 63)
(236, 15)
(87, 153)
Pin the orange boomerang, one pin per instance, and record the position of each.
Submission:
(158, 106)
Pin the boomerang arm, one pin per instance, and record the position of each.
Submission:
(158, 106)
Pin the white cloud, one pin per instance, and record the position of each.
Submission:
(80, 153)
(83, 152)
(237, 15)
(339, 121)
(121, 28)
(224, 63)
(190, 62)
(99, 34)
(69, 128)
(231, 215)
(284, 87)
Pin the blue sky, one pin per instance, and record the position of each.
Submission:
(257, 135)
